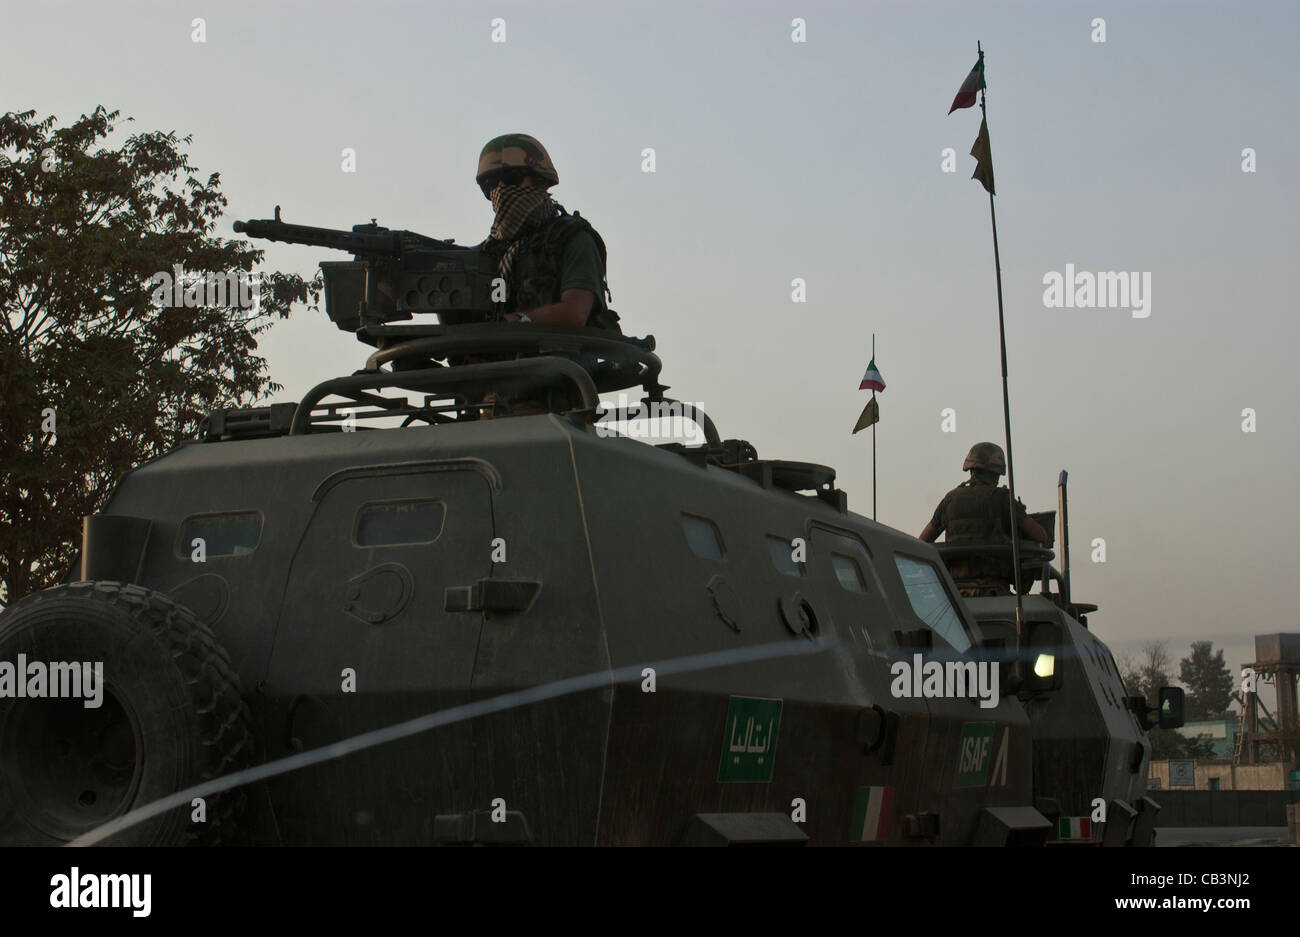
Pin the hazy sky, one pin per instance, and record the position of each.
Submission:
(823, 160)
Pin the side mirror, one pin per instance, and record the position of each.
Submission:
(1171, 707)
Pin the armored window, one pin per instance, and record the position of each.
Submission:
(930, 600)
(848, 572)
(391, 523)
(703, 537)
(236, 533)
(782, 552)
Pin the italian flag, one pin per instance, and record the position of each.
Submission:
(871, 809)
(973, 83)
(872, 379)
(1074, 828)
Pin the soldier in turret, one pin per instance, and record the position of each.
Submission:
(978, 511)
(553, 263)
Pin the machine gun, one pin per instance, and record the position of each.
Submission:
(393, 274)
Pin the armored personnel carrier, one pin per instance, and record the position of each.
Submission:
(649, 644)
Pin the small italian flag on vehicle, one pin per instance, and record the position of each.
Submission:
(1074, 828)
(872, 379)
(871, 809)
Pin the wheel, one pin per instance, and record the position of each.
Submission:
(170, 716)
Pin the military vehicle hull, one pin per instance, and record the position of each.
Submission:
(355, 580)
(1090, 750)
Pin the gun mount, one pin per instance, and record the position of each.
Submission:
(1036, 566)
(393, 274)
(463, 364)
(512, 359)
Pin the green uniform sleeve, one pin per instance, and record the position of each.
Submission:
(1021, 513)
(1003, 501)
(580, 267)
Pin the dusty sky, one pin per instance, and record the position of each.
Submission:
(824, 160)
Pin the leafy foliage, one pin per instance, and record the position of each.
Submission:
(87, 349)
(1209, 683)
(1144, 677)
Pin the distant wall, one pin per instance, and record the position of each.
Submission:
(1223, 808)
(1269, 777)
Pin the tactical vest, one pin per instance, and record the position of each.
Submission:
(977, 512)
(535, 274)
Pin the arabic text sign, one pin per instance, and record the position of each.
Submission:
(1182, 774)
(749, 740)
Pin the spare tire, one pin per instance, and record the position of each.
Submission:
(170, 716)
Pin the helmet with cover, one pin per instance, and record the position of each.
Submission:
(510, 157)
(987, 456)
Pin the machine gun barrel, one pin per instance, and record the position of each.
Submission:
(375, 240)
(393, 275)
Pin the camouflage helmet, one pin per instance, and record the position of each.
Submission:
(516, 151)
(987, 456)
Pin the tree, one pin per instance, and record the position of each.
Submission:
(100, 369)
(1148, 673)
(1144, 677)
(1209, 683)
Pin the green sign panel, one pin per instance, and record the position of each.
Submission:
(975, 755)
(749, 740)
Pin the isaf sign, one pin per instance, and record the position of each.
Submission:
(979, 763)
